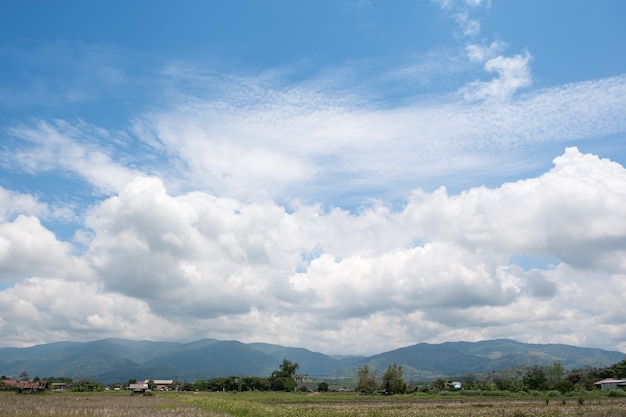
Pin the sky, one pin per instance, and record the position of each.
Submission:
(348, 176)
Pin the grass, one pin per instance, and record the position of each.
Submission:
(260, 404)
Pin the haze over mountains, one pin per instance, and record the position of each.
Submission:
(117, 360)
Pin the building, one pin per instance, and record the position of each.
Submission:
(611, 383)
(8, 384)
(161, 384)
(31, 386)
(139, 388)
(59, 386)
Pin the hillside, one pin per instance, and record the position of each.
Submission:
(427, 361)
(117, 360)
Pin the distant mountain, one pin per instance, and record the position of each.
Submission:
(118, 360)
(428, 361)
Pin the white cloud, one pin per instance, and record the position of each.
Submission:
(461, 12)
(74, 148)
(40, 310)
(13, 203)
(572, 213)
(288, 142)
(29, 249)
(481, 53)
(440, 268)
(513, 74)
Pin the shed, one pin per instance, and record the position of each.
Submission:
(31, 386)
(140, 388)
(611, 383)
(161, 384)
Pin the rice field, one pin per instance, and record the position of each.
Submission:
(301, 405)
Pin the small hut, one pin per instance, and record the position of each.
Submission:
(30, 387)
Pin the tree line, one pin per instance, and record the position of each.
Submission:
(392, 381)
(538, 378)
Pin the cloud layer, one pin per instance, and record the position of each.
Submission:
(441, 267)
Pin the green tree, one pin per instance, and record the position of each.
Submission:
(367, 380)
(322, 387)
(439, 384)
(535, 379)
(584, 378)
(554, 374)
(393, 381)
(283, 379)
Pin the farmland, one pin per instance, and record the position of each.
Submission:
(301, 404)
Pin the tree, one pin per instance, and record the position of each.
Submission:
(283, 379)
(367, 380)
(24, 376)
(439, 384)
(393, 381)
(554, 374)
(535, 379)
(322, 387)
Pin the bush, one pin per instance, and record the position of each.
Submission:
(616, 393)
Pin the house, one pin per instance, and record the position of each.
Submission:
(8, 384)
(611, 383)
(161, 384)
(59, 386)
(31, 386)
(140, 388)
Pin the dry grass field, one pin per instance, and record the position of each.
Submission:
(301, 405)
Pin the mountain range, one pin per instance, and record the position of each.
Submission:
(118, 360)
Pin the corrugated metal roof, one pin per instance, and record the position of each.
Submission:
(31, 385)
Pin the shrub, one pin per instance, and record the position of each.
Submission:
(616, 393)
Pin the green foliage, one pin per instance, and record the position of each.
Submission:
(617, 370)
(366, 380)
(509, 385)
(87, 385)
(554, 374)
(282, 384)
(616, 393)
(283, 379)
(535, 379)
(322, 387)
(393, 381)
(439, 384)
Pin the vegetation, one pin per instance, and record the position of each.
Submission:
(549, 380)
(283, 379)
(393, 380)
(536, 392)
(367, 381)
(287, 404)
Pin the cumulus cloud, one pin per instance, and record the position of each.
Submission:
(13, 203)
(442, 266)
(52, 309)
(513, 73)
(27, 249)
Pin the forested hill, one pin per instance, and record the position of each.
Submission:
(118, 360)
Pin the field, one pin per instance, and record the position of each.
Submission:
(121, 404)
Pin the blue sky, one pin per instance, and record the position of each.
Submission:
(313, 173)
